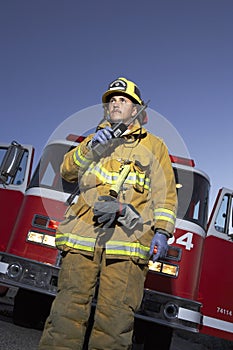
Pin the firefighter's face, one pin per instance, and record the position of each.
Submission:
(121, 108)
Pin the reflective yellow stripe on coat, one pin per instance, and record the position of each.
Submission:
(120, 248)
(111, 177)
(75, 241)
(164, 214)
(80, 160)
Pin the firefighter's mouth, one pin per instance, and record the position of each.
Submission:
(118, 111)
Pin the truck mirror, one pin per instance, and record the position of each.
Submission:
(11, 161)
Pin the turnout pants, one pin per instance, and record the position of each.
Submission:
(121, 284)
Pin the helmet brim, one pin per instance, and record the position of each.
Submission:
(108, 94)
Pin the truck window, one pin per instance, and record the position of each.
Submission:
(47, 173)
(223, 222)
(193, 196)
(20, 175)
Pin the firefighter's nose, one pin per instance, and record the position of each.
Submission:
(116, 104)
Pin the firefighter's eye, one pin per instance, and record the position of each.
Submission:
(118, 100)
(113, 100)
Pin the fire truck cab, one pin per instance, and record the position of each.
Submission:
(191, 289)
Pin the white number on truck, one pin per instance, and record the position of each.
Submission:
(224, 311)
(185, 240)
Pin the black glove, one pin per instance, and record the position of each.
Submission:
(108, 209)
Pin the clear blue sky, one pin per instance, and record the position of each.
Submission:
(58, 56)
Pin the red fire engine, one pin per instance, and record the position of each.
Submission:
(191, 289)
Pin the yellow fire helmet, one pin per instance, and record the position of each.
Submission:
(124, 86)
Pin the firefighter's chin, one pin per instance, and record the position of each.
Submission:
(115, 114)
(117, 117)
(114, 119)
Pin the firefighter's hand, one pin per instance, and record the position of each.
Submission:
(107, 210)
(159, 244)
(102, 136)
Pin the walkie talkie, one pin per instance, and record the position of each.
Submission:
(117, 131)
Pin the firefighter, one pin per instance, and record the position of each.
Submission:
(124, 215)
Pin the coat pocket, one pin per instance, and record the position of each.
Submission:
(141, 181)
